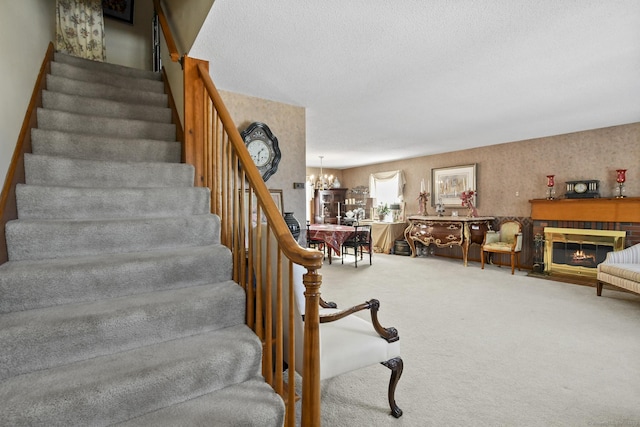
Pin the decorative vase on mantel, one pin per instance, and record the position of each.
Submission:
(293, 224)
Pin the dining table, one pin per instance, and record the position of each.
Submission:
(333, 235)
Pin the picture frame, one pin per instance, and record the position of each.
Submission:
(121, 10)
(447, 184)
(276, 195)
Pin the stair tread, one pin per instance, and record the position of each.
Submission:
(55, 202)
(105, 66)
(34, 284)
(61, 171)
(104, 107)
(115, 127)
(62, 334)
(121, 386)
(104, 91)
(95, 147)
(99, 76)
(60, 238)
(252, 403)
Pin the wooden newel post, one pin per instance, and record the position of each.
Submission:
(194, 118)
(311, 369)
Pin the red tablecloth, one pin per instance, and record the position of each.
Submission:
(332, 235)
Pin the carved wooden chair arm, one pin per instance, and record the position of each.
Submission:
(327, 304)
(389, 334)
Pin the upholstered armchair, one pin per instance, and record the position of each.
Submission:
(347, 342)
(507, 240)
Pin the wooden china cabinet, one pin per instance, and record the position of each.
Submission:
(328, 204)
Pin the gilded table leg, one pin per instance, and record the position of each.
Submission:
(466, 239)
(410, 241)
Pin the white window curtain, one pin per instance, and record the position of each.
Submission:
(387, 187)
(80, 28)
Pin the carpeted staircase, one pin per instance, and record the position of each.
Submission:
(116, 305)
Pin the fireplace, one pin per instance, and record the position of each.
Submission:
(577, 252)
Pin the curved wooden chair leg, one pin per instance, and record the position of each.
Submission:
(482, 255)
(396, 365)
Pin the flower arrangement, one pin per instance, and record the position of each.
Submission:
(467, 201)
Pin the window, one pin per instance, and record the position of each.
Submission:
(387, 187)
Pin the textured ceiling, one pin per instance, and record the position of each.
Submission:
(385, 80)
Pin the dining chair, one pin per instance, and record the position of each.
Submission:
(318, 244)
(360, 239)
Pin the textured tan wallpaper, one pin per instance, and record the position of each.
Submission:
(287, 123)
(511, 174)
(508, 174)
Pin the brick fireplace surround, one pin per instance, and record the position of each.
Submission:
(594, 214)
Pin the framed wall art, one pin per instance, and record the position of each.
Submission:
(276, 195)
(118, 9)
(448, 183)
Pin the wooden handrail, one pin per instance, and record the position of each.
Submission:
(293, 251)
(214, 147)
(166, 31)
(15, 173)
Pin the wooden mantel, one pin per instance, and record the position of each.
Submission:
(600, 210)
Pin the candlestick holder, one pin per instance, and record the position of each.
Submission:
(620, 180)
(423, 198)
(551, 191)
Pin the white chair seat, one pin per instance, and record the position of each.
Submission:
(359, 344)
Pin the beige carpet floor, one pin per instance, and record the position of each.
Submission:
(485, 348)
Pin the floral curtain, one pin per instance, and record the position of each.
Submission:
(80, 29)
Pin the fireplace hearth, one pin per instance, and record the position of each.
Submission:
(577, 252)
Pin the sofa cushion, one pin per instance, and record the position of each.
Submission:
(624, 271)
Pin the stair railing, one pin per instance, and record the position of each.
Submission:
(240, 197)
(15, 173)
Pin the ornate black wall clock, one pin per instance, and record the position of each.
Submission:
(263, 148)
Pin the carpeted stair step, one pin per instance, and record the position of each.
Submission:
(252, 403)
(46, 202)
(95, 147)
(99, 76)
(109, 389)
(26, 285)
(120, 70)
(105, 126)
(104, 91)
(59, 171)
(32, 239)
(104, 107)
(55, 336)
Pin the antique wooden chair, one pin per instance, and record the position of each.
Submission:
(360, 239)
(507, 240)
(347, 342)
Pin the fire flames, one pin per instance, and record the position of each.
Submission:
(581, 256)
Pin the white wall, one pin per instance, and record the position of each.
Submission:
(128, 44)
(27, 28)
